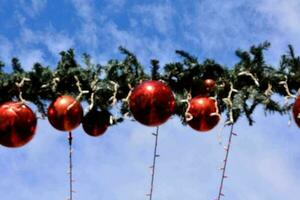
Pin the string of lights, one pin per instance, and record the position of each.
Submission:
(224, 167)
(70, 172)
(155, 156)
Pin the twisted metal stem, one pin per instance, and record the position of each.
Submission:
(155, 156)
(227, 149)
(70, 138)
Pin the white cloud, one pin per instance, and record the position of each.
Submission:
(220, 28)
(89, 33)
(33, 7)
(159, 16)
(114, 5)
(54, 41)
(29, 57)
(38, 5)
(84, 9)
(281, 176)
(57, 42)
(145, 48)
(6, 48)
(29, 46)
(99, 32)
(282, 18)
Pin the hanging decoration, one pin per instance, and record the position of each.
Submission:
(204, 113)
(65, 113)
(152, 103)
(96, 122)
(119, 86)
(17, 124)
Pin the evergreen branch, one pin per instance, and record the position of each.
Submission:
(186, 76)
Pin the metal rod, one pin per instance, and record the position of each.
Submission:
(155, 155)
(227, 149)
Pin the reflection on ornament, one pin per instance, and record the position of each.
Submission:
(209, 84)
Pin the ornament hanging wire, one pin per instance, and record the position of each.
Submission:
(70, 140)
(225, 161)
(70, 172)
(152, 167)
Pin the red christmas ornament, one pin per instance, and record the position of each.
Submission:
(65, 113)
(96, 122)
(296, 111)
(17, 124)
(203, 110)
(209, 84)
(152, 103)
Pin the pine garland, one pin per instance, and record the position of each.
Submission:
(251, 81)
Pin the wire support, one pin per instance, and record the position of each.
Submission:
(155, 156)
(70, 172)
(223, 169)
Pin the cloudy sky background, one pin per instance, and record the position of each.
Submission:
(265, 158)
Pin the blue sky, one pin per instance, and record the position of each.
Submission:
(265, 158)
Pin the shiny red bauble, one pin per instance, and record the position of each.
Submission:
(17, 124)
(209, 84)
(65, 113)
(203, 110)
(152, 103)
(296, 111)
(96, 122)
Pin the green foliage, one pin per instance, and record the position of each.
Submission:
(154, 71)
(111, 83)
(16, 65)
(1, 66)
